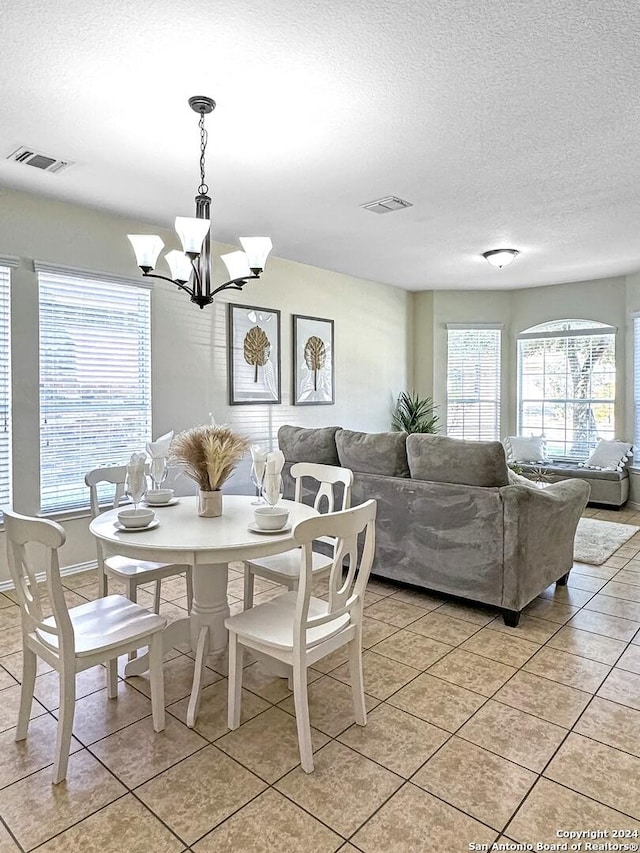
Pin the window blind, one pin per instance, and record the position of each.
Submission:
(5, 385)
(636, 384)
(566, 388)
(95, 380)
(473, 383)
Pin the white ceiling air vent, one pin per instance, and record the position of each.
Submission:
(387, 205)
(31, 157)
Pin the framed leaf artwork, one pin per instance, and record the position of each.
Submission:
(254, 355)
(313, 361)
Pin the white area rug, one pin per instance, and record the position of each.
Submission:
(597, 540)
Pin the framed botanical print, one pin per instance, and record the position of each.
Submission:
(313, 361)
(254, 355)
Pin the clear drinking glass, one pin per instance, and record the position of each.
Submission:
(272, 488)
(136, 487)
(257, 475)
(158, 471)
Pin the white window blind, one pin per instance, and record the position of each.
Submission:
(5, 385)
(636, 384)
(473, 382)
(566, 385)
(95, 380)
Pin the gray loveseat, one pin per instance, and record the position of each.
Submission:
(450, 517)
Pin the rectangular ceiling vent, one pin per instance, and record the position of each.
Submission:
(45, 162)
(387, 205)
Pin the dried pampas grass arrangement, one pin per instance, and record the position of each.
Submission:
(209, 454)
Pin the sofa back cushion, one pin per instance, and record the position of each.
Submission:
(454, 460)
(309, 445)
(373, 452)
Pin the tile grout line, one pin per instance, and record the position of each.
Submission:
(593, 695)
(450, 735)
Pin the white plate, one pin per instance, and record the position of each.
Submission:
(255, 529)
(124, 529)
(172, 502)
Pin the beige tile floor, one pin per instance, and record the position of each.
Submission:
(476, 733)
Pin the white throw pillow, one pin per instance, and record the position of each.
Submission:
(610, 455)
(521, 449)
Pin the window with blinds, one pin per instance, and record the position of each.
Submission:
(636, 385)
(95, 379)
(5, 385)
(473, 382)
(567, 385)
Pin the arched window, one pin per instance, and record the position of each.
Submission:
(566, 385)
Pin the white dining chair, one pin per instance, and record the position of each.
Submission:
(133, 573)
(73, 639)
(284, 568)
(298, 629)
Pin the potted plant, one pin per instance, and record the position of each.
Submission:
(209, 455)
(414, 414)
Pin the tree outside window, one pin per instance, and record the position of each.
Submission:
(566, 391)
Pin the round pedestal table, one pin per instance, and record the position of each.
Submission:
(208, 545)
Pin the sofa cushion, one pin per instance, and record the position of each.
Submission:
(522, 449)
(454, 460)
(558, 470)
(382, 453)
(309, 445)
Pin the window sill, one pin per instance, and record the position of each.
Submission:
(60, 517)
(66, 514)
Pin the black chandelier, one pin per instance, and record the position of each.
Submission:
(191, 268)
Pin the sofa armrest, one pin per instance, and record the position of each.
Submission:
(539, 529)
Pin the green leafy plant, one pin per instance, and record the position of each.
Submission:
(414, 414)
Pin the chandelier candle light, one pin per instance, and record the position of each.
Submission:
(191, 268)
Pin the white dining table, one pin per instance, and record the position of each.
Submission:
(208, 545)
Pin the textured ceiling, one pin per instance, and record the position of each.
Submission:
(508, 124)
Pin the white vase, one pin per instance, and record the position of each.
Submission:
(210, 503)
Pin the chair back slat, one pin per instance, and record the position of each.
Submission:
(23, 532)
(325, 491)
(346, 594)
(346, 553)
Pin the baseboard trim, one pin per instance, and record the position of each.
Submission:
(67, 570)
(633, 505)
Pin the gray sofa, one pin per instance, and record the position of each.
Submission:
(451, 516)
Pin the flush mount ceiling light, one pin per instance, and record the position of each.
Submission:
(500, 257)
(191, 268)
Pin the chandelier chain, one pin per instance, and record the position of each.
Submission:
(203, 189)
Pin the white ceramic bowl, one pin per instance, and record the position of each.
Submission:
(136, 517)
(159, 496)
(271, 517)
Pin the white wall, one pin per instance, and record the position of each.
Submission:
(386, 340)
(604, 300)
(189, 360)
